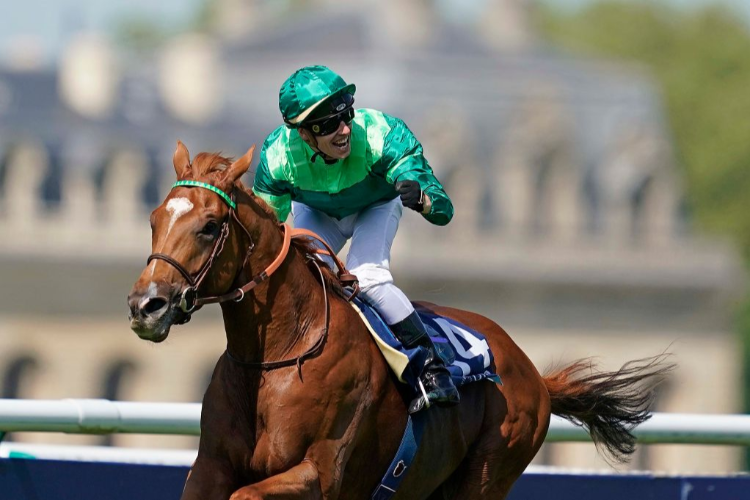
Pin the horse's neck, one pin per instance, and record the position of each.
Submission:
(271, 322)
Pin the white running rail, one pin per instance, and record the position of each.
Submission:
(100, 416)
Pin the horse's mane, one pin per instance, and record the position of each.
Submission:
(206, 163)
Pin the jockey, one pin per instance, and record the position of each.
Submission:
(346, 173)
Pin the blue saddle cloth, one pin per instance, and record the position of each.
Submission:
(466, 352)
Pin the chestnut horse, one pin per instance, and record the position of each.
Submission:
(302, 404)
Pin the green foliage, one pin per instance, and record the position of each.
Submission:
(702, 60)
(744, 328)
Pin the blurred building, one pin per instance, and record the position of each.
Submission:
(570, 228)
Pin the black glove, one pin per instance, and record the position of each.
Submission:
(411, 195)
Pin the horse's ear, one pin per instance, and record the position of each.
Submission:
(181, 161)
(238, 168)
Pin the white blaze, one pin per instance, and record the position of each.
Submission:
(177, 207)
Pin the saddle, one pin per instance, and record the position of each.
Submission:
(465, 351)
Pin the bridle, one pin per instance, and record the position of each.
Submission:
(190, 300)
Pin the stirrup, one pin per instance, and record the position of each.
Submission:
(422, 402)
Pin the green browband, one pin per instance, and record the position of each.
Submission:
(216, 190)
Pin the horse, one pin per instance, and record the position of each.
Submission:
(302, 405)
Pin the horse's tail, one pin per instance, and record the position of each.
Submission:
(607, 404)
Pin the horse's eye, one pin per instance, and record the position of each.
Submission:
(210, 229)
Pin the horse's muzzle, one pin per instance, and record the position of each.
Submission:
(147, 306)
(151, 313)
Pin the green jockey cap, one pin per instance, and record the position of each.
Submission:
(308, 88)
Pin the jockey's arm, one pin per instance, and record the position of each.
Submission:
(406, 162)
(438, 208)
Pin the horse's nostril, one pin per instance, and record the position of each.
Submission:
(153, 305)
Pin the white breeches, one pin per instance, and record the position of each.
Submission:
(372, 231)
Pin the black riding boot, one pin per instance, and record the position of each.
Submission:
(435, 376)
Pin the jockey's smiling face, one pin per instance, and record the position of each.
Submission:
(336, 145)
(328, 129)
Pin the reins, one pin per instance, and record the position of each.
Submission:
(190, 300)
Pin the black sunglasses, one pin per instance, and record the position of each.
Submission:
(329, 124)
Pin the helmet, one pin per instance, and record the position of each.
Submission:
(308, 88)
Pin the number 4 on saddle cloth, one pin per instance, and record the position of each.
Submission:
(467, 357)
(465, 351)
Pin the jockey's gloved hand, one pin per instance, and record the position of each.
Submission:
(411, 195)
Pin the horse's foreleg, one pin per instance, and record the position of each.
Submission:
(299, 482)
(207, 480)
